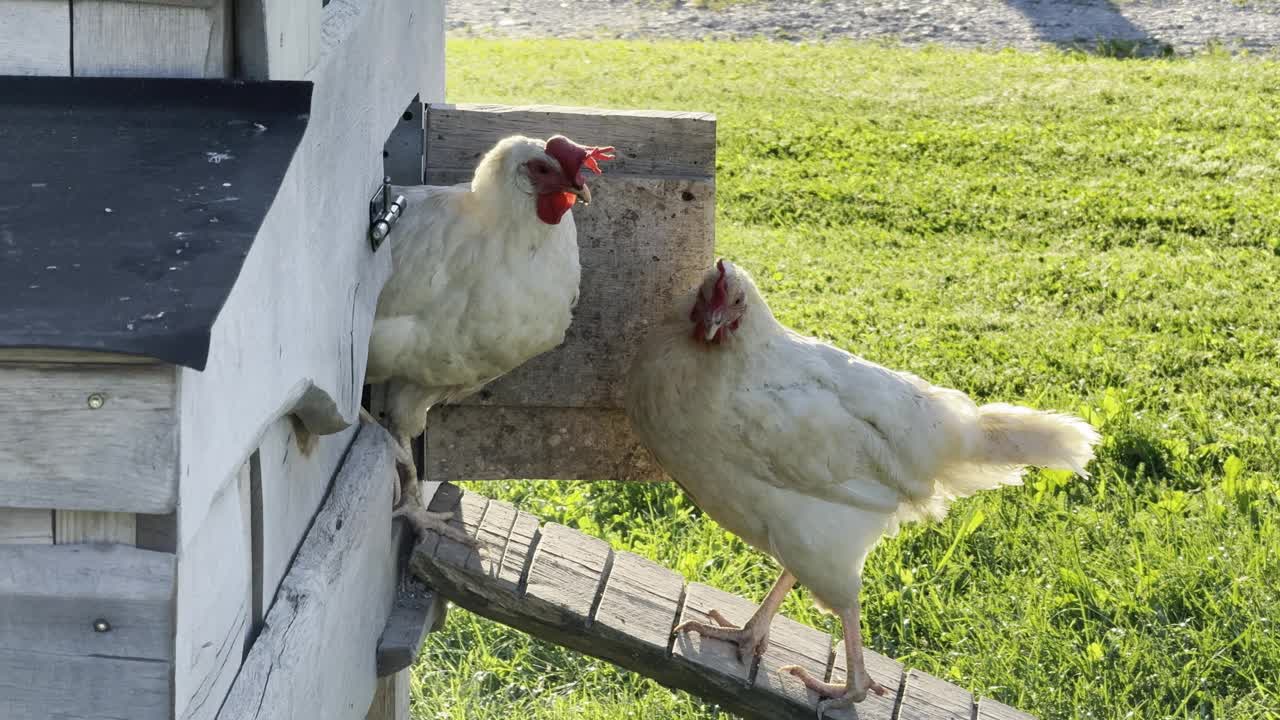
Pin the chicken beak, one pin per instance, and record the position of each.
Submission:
(583, 193)
(713, 326)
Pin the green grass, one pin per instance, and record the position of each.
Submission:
(1093, 235)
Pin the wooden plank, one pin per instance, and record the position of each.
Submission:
(790, 643)
(23, 526)
(215, 603)
(35, 37)
(86, 526)
(567, 574)
(88, 437)
(633, 618)
(113, 38)
(315, 655)
(38, 686)
(643, 242)
(929, 698)
(58, 660)
(391, 699)
(989, 709)
(886, 671)
(293, 484)
(51, 597)
(639, 606)
(416, 611)
(717, 659)
(277, 39)
(493, 443)
(649, 142)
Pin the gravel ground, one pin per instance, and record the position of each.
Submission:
(1150, 25)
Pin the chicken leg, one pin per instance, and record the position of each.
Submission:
(752, 639)
(407, 502)
(858, 682)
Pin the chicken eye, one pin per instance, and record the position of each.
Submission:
(738, 301)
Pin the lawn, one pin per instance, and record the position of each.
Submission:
(1094, 235)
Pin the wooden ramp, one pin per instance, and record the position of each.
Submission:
(576, 591)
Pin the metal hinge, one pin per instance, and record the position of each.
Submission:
(383, 213)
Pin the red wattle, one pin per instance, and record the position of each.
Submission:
(553, 206)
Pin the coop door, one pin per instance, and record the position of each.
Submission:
(646, 238)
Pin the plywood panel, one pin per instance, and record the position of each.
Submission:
(114, 38)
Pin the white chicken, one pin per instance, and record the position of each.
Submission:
(485, 277)
(811, 454)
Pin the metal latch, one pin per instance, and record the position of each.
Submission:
(383, 213)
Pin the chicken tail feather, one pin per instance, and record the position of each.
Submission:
(1019, 436)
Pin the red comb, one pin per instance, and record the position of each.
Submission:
(573, 156)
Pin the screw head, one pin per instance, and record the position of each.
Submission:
(96, 401)
(101, 625)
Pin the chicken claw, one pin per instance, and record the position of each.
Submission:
(750, 638)
(837, 697)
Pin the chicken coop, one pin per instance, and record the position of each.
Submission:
(194, 523)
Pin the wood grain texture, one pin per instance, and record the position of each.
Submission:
(315, 655)
(639, 606)
(58, 451)
(35, 37)
(293, 485)
(649, 142)
(276, 39)
(643, 242)
(44, 356)
(83, 526)
(24, 526)
(493, 443)
(53, 663)
(929, 698)
(188, 40)
(215, 608)
(632, 620)
(36, 686)
(567, 573)
(989, 709)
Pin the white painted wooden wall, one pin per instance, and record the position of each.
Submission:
(287, 354)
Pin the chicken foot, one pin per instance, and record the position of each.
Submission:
(407, 496)
(752, 639)
(858, 683)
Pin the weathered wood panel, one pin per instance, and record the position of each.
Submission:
(629, 623)
(929, 698)
(215, 602)
(85, 632)
(276, 39)
(82, 526)
(35, 37)
(649, 142)
(36, 686)
(51, 596)
(88, 437)
(467, 442)
(989, 709)
(293, 485)
(643, 243)
(315, 656)
(115, 38)
(23, 526)
(44, 356)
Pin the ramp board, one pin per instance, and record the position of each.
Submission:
(575, 590)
